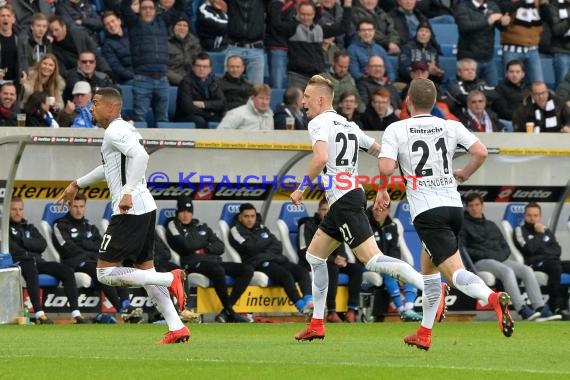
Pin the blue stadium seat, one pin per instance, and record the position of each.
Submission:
(410, 235)
(127, 95)
(548, 72)
(181, 125)
(106, 217)
(218, 62)
(288, 229)
(393, 60)
(141, 124)
(447, 36)
(47, 281)
(165, 214)
(172, 95)
(276, 97)
(213, 125)
(449, 65)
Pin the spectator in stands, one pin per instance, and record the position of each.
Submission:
(200, 99)
(281, 14)
(477, 21)
(384, 33)
(364, 47)
(386, 236)
(82, 15)
(86, 71)
(116, 49)
(26, 9)
(348, 107)
(466, 82)
(337, 262)
(477, 116)
(33, 44)
(559, 23)
(542, 108)
(44, 76)
(212, 25)
(341, 79)
(237, 90)
(379, 113)
(259, 248)
(375, 79)
(8, 105)
(255, 115)
(422, 47)
(77, 242)
(183, 46)
(519, 40)
(77, 113)
(542, 252)
(439, 11)
(563, 89)
(329, 51)
(9, 65)
(419, 69)
(305, 55)
(200, 251)
(407, 18)
(148, 37)
(164, 6)
(489, 251)
(66, 46)
(510, 93)
(37, 111)
(292, 106)
(26, 247)
(330, 12)
(246, 33)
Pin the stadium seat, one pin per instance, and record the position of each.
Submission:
(513, 217)
(393, 60)
(447, 36)
(548, 71)
(410, 243)
(229, 211)
(141, 124)
(127, 95)
(51, 213)
(288, 229)
(218, 63)
(181, 125)
(212, 125)
(163, 215)
(172, 95)
(276, 97)
(449, 65)
(106, 217)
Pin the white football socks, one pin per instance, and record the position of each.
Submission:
(471, 285)
(320, 284)
(396, 268)
(160, 298)
(430, 299)
(132, 277)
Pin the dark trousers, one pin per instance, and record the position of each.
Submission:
(31, 271)
(354, 272)
(557, 297)
(286, 275)
(216, 272)
(114, 294)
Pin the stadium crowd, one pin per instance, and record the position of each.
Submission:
(213, 52)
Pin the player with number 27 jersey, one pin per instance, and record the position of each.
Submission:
(344, 139)
(431, 144)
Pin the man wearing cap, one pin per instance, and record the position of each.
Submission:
(183, 46)
(200, 251)
(421, 48)
(77, 113)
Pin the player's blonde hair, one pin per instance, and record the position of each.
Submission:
(422, 94)
(323, 83)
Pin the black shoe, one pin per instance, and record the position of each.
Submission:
(238, 318)
(44, 320)
(79, 320)
(223, 317)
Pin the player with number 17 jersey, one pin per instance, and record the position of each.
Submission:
(428, 154)
(344, 139)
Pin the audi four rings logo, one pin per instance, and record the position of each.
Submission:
(234, 208)
(295, 208)
(55, 209)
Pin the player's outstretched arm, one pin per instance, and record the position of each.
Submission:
(316, 166)
(374, 150)
(94, 176)
(386, 167)
(477, 155)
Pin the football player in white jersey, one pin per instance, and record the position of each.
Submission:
(131, 231)
(424, 145)
(336, 142)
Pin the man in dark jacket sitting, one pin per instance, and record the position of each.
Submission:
(259, 248)
(489, 251)
(200, 251)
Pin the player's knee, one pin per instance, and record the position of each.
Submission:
(314, 260)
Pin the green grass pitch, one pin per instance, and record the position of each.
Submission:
(460, 350)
